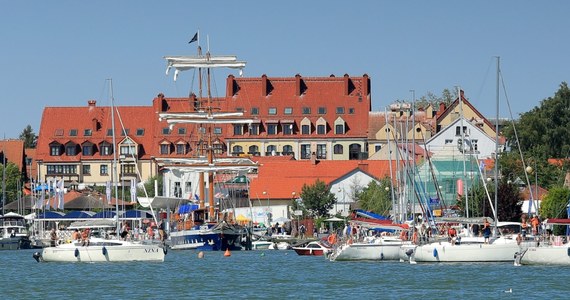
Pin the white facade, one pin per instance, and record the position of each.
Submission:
(449, 141)
(346, 187)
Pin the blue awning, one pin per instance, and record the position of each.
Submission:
(138, 214)
(79, 215)
(186, 208)
(104, 215)
(50, 215)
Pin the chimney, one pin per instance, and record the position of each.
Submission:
(91, 103)
(346, 81)
(365, 85)
(297, 85)
(263, 85)
(230, 86)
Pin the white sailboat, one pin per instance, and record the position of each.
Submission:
(552, 251)
(98, 247)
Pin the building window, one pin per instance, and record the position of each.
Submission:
(58, 132)
(87, 150)
(377, 148)
(339, 129)
(288, 128)
(305, 151)
(321, 151)
(106, 149)
(287, 150)
(271, 150)
(239, 109)
(61, 169)
(55, 150)
(351, 111)
(322, 110)
(272, 129)
(165, 130)
(255, 111)
(109, 132)
(340, 110)
(73, 132)
(218, 148)
(165, 149)
(237, 150)
(86, 169)
(140, 131)
(448, 142)
(306, 110)
(272, 111)
(128, 150)
(338, 149)
(124, 132)
(288, 110)
(182, 131)
(474, 145)
(321, 129)
(71, 150)
(253, 150)
(458, 130)
(217, 130)
(87, 132)
(254, 129)
(104, 170)
(181, 148)
(306, 129)
(128, 169)
(238, 129)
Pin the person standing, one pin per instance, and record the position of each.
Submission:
(53, 237)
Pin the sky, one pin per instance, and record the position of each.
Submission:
(62, 53)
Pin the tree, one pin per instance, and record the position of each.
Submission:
(545, 130)
(508, 201)
(376, 197)
(13, 181)
(447, 97)
(317, 199)
(29, 137)
(149, 187)
(554, 205)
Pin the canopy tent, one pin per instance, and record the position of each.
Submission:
(50, 215)
(186, 208)
(107, 214)
(136, 214)
(161, 202)
(78, 214)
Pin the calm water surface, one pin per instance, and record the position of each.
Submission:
(274, 274)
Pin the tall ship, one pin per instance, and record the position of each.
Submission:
(206, 219)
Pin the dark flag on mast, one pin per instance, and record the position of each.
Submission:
(195, 38)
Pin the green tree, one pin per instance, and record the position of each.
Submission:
(376, 197)
(149, 187)
(447, 97)
(29, 137)
(508, 201)
(13, 182)
(545, 130)
(317, 199)
(554, 205)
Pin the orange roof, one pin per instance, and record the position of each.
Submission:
(13, 150)
(280, 178)
(537, 192)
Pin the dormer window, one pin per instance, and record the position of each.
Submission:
(105, 149)
(140, 132)
(238, 129)
(73, 132)
(87, 132)
(55, 149)
(87, 149)
(71, 149)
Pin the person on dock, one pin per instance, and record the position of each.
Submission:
(302, 230)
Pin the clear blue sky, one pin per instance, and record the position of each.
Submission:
(59, 53)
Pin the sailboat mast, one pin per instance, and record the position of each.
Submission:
(114, 174)
(497, 142)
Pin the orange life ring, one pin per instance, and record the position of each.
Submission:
(331, 239)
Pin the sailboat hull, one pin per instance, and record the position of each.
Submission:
(206, 239)
(501, 250)
(112, 251)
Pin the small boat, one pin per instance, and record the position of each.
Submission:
(314, 248)
(553, 251)
(261, 245)
(13, 233)
(370, 248)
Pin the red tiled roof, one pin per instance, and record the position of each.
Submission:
(57, 123)
(13, 151)
(280, 178)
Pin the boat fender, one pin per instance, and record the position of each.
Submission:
(165, 250)
(76, 253)
(434, 252)
(104, 251)
(409, 252)
(568, 250)
(381, 256)
(37, 256)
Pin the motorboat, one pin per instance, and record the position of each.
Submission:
(315, 248)
(369, 248)
(13, 232)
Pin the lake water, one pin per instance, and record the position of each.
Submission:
(273, 274)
